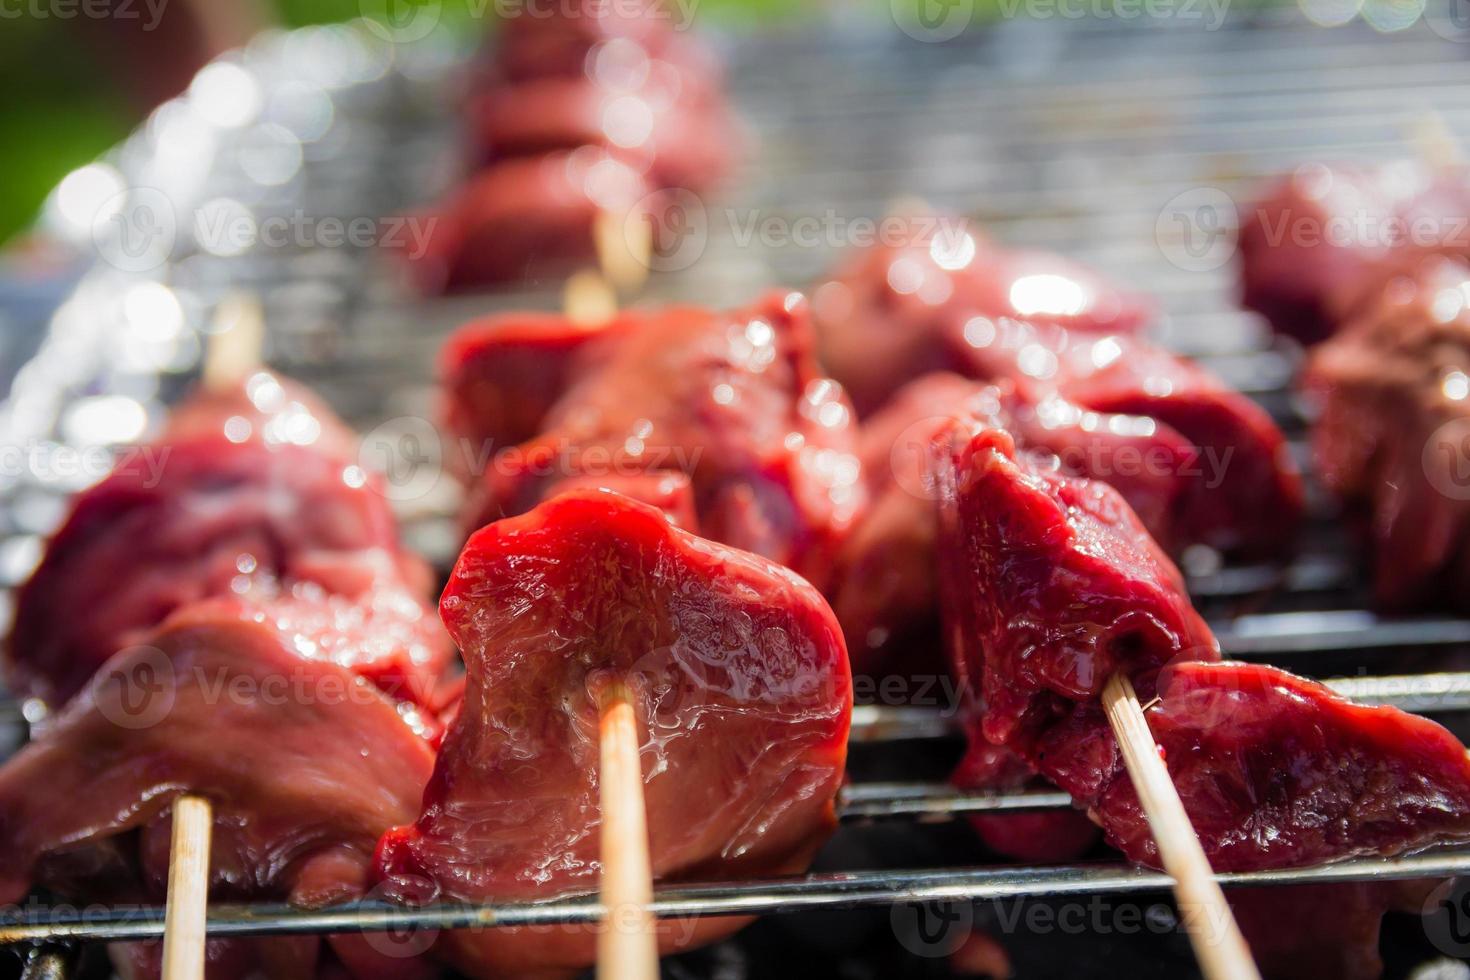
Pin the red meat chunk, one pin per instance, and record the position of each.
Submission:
(1390, 392)
(1275, 770)
(892, 313)
(737, 669)
(209, 516)
(1052, 586)
(1244, 494)
(886, 589)
(735, 401)
(673, 141)
(305, 762)
(525, 220)
(500, 375)
(1314, 245)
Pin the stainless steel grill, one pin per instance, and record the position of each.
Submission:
(1075, 136)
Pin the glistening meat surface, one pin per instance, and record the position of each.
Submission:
(1062, 338)
(892, 313)
(1051, 585)
(242, 503)
(1392, 394)
(305, 762)
(735, 401)
(736, 667)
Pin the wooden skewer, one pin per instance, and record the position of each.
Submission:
(234, 346)
(588, 299)
(627, 948)
(1218, 945)
(624, 248)
(233, 351)
(188, 890)
(1434, 141)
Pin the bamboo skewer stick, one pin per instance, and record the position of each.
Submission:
(627, 948)
(188, 890)
(1218, 945)
(232, 353)
(234, 346)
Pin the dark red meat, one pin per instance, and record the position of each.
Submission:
(262, 407)
(892, 313)
(737, 668)
(735, 401)
(886, 591)
(305, 762)
(1052, 585)
(1243, 492)
(524, 220)
(1275, 770)
(500, 375)
(1315, 244)
(673, 141)
(1390, 437)
(212, 516)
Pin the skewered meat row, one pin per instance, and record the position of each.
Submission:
(734, 401)
(1390, 390)
(1196, 460)
(1316, 244)
(891, 313)
(738, 671)
(698, 633)
(581, 113)
(305, 762)
(1052, 585)
(1074, 347)
(254, 492)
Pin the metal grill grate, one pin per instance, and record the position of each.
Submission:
(1067, 135)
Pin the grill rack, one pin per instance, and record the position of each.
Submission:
(1046, 176)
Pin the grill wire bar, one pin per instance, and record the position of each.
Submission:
(819, 891)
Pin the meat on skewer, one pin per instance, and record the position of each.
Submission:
(886, 583)
(578, 114)
(305, 762)
(529, 220)
(738, 673)
(1052, 586)
(892, 313)
(1314, 245)
(1392, 395)
(247, 492)
(1244, 495)
(732, 400)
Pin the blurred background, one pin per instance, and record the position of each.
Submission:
(78, 75)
